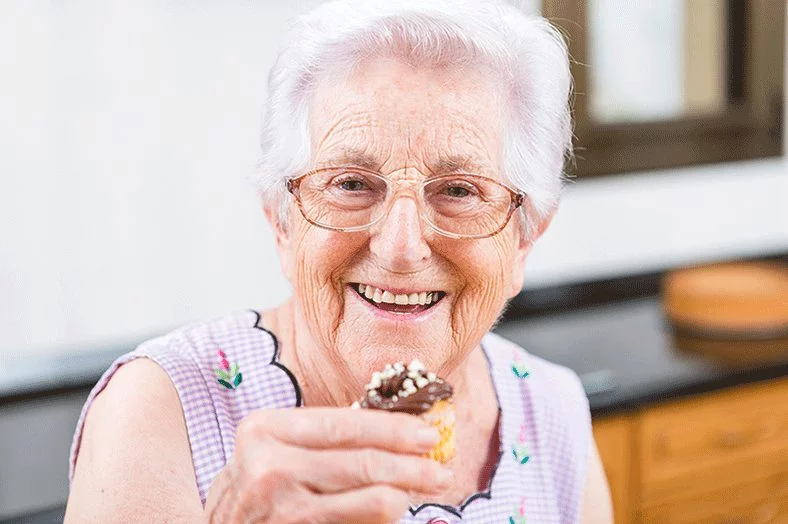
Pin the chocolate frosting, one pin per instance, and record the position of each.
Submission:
(405, 390)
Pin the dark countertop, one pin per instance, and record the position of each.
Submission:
(628, 357)
(624, 352)
(47, 516)
(66, 370)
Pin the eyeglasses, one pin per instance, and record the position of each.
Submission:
(354, 199)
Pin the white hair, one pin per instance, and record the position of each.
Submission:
(526, 51)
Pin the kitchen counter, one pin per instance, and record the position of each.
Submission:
(627, 356)
(48, 516)
(624, 351)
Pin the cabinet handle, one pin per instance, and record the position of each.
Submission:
(767, 512)
(732, 439)
(764, 514)
(736, 439)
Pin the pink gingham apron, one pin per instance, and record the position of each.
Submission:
(226, 368)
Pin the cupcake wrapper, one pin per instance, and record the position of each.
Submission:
(441, 416)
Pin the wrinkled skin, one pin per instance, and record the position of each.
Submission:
(403, 120)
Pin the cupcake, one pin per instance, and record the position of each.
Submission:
(411, 389)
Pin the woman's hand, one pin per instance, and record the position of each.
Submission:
(325, 465)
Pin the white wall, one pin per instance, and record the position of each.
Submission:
(128, 129)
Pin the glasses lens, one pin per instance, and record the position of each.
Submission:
(467, 205)
(461, 205)
(342, 198)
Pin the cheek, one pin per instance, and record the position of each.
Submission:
(483, 270)
(486, 266)
(320, 258)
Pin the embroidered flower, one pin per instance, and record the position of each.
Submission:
(227, 374)
(519, 514)
(519, 450)
(518, 365)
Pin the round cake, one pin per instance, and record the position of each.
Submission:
(742, 299)
(411, 389)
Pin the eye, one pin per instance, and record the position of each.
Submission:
(457, 191)
(352, 185)
(458, 188)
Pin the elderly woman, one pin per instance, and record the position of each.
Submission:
(413, 152)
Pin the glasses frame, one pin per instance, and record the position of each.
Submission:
(293, 187)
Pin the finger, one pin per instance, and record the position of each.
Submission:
(372, 504)
(332, 471)
(348, 428)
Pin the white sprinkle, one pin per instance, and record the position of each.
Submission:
(355, 405)
(404, 393)
(394, 398)
(413, 374)
(373, 393)
(415, 365)
(407, 384)
(399, 367)
(421, 382)
(431, 376)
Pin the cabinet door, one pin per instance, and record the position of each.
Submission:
(614, 439)
(734, 426)
(761, 501)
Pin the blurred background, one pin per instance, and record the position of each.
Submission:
(128, 132)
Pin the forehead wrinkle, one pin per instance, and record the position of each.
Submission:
(468, 144)
(463, 154)
(346, 123)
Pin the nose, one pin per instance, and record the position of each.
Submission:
(397, 241)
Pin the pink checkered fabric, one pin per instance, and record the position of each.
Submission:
(545, 421)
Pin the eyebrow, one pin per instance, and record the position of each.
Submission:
(455, 163)
(445, 164)
(358, 158)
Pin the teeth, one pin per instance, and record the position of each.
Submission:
(378, 295)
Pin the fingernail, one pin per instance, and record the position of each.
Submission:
(445, 476)
(428, 436)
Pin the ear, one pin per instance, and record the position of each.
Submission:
(271, 211)
(522, 250)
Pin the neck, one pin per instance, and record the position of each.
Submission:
(320, 375)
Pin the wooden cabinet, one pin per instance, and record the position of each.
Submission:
(614, 439)
(717, 458)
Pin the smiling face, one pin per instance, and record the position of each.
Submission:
(405, 123)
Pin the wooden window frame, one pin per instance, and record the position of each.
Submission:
(751, 125)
